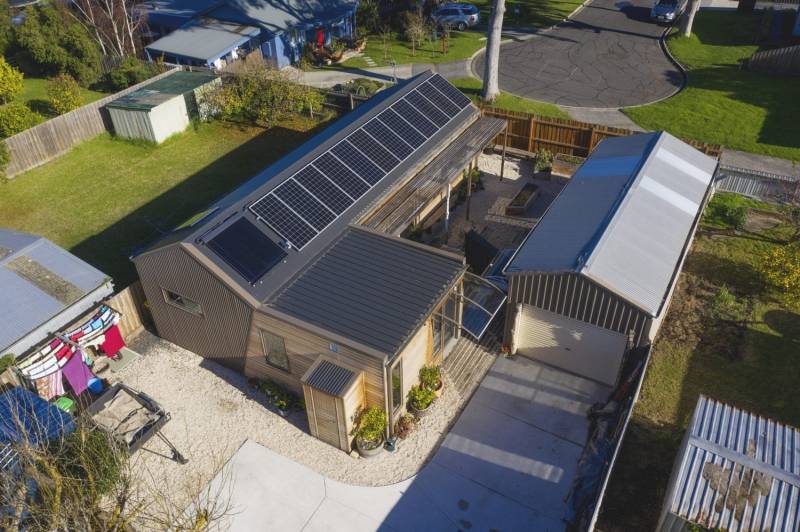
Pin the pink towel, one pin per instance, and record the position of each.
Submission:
(77, 373)
(50, 387)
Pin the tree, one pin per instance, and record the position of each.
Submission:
(416, 28)
(64, 94)
(130, 71)
(6, 32)
(116, 25)
(491, 84)
(687, 21)
(368, 16)
(780, 267)
(10, 81)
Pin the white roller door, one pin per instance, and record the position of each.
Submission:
(569, 344)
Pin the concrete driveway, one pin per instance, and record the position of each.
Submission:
(608, 55)
(507, 464)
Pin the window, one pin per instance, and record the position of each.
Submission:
(274, 350)
(397, 385)
(184, 303)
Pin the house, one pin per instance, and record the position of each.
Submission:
(299, 276)
(213, 33)
(597, 272)
(162, 108)
(44, 288)
(735, 471)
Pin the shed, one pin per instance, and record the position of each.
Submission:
(44, 289)
(735, 471)
(162, 108)
(597, 272)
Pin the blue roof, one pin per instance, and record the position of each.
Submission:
(173, 13)
(279, 15)
(26, 418)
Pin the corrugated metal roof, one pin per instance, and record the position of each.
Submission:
(204, 39)
(164, 89)
(738, 472)
(27, 306)
(277, 16)
(372, 288)
(330, 378)
(624, 218)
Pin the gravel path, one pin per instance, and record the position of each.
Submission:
(214, 410)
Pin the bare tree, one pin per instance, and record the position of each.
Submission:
(491, 84)
(687, 21)
(416, 28)
(116, 25)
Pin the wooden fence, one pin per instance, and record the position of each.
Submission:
(132, 305)
(531, 133)
(40, 144)
(778, 62)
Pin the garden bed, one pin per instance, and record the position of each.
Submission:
(520, 203)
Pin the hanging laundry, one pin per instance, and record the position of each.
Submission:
(113, 343)
(77, 374)
(64, 352)
(50, 387)
(42, 368)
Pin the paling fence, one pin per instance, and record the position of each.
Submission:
(778, 62)
(764, 186)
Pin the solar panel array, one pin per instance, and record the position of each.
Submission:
(309, 201)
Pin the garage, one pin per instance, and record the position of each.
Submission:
(571, 345)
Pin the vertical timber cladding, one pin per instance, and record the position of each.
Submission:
(220, 333)
(576, 297)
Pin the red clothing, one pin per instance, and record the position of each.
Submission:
(113, 342)
(63, 352)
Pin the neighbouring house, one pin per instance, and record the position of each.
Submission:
(44, 288)
(300, 277)
(597, 272)
(212, 33)
(735, 471)
(163, 108)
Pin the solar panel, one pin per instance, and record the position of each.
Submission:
(328, 193)
(376, 153)
(307, 206)
(457, 97)
(283, 221)
(333, 169)
(427, 108)
(397, 146)
(415, 118)
(402, 128)
(441, 101)
(247, 250)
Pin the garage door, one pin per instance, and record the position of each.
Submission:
(569, 344)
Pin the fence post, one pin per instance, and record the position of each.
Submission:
(533, 127)
(592, 141)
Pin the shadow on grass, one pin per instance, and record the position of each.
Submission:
(723, 271)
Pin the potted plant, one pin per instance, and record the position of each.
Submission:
(420, 400)
(430, 378)
(404, 426)
(370, 431)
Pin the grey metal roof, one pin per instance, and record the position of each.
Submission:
(330, 378)
(162, 90)
(279, 15)
(372, 288)
(737, 471)
(204, 38)
(26, 304)
(625, 217)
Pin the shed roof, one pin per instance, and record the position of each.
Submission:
(38, 281)
(280, 15)
(330, 378)
(373, 288)
(737, 471)
(164, 89)
(625, 217)
(205, 39)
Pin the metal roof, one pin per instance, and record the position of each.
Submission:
(737, 471)
(329, 378)
(32, 300)
(624, 218)
(166, 88)
(204, 38)
(372, 288)
(279, 15)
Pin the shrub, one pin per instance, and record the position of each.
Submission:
(404, 426)
(370, 425)
(130, 71)
(6, 361)
(420, 398)
(727, 211)
(368, 16)
(727, 307)
(5, 158)
(92, 460)
(16, 117)
(780, 267)
(10, 81)
(430, 377)
(64, 94)
(544, 161)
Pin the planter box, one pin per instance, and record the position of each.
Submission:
(565, 166)
(523, 200)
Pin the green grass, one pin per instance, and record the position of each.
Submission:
(472, 88)
(108, 197)
(723, 104)
(532, 13)
(34, 95)
(756, 370)
(462, 45)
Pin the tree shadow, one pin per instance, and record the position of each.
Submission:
(42, 107)
(721, 271)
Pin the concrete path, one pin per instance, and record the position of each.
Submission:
(606, 55)
(507, 464)
(606, 117)
(329, 78)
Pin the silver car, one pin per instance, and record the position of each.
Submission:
(458, 16)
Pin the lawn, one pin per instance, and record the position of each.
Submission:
(752, 363)
(34, 95)
(472, 88)
(722, 103)
(462, 45)
(108, 197)
(530, 13)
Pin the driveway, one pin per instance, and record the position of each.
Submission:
(608, 55)
(507, 464)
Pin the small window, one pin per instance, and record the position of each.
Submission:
(397, 386)
(274, 350)
(184, 303)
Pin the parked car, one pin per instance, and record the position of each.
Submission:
(459, 16)
(667, 10)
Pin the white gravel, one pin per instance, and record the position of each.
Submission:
(214, 411)
(513, 169)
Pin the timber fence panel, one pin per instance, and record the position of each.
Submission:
(778, 62)
(48, 140)
(131, 304)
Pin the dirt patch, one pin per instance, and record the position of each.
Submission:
(758, 221)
